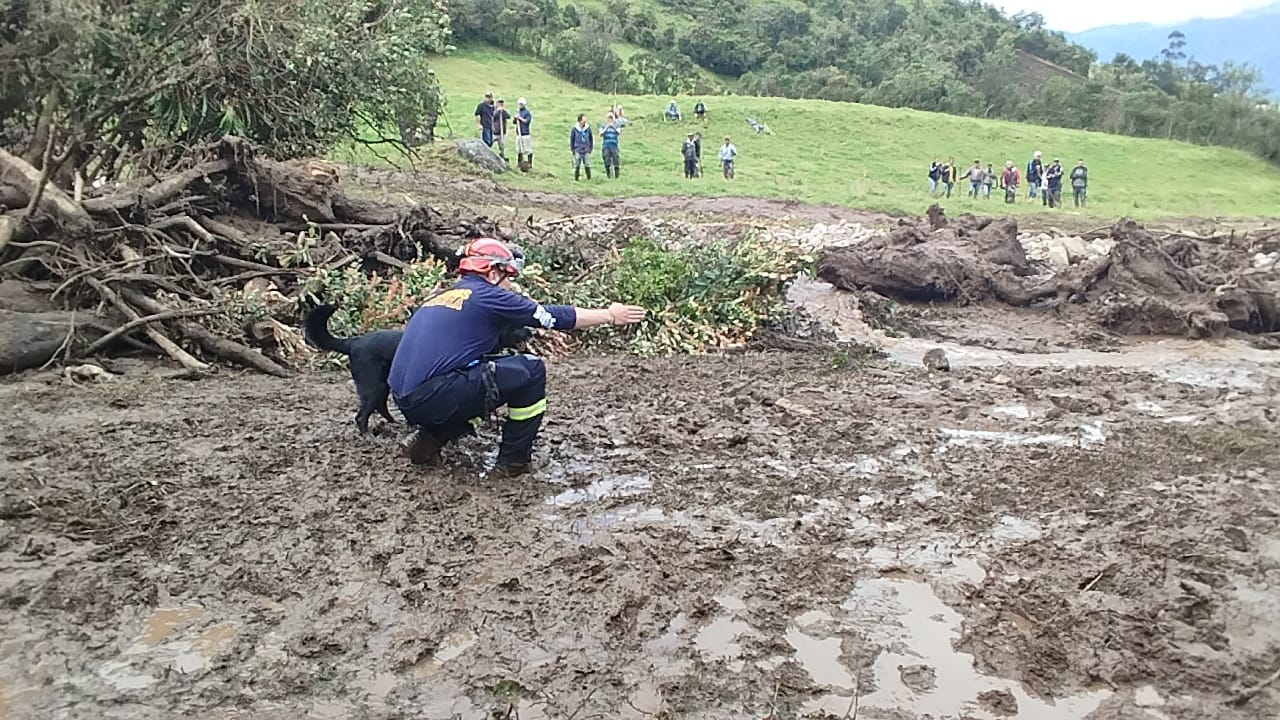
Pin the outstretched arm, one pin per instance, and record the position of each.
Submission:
(615, 314)
(520, 310)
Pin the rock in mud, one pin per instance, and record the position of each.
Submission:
(936, 359)
(921, 678)
(482, 156)
(999, 702)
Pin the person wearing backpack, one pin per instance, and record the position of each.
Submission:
(1079, 182)
(1009, 181)
(935, 174)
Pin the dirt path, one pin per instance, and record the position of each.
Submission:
(724, 537)
(480, 193)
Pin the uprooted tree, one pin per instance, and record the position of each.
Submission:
(130, 142)
(1178, 284)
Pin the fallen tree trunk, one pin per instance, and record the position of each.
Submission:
(30, 340)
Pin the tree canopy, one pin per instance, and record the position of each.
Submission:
(101, 86)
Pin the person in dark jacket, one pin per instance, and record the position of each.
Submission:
(524, 140)
(444, 376)
(484, 119)
(581, 142)
(500, 119)
(950, 173)
(1035, 171)
(689, 151)
(1079, 182)
(935, 175)
(1053, 174)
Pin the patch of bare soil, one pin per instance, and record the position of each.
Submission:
(484, 194)
(756, 535)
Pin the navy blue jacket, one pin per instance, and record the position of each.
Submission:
(458, 325)
(581, 140)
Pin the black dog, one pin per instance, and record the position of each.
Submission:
(370, 357)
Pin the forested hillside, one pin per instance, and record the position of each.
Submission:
(944, 55)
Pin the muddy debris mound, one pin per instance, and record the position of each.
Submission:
(1173, 285)
(144, 264)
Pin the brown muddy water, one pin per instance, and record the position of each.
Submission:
(775, 535)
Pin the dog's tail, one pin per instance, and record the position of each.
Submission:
(316, 328)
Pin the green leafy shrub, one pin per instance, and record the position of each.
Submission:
(699, 296)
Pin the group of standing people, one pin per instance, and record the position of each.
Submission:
(492, 118)
(691, 152)
(1043, 181)
(582, 143)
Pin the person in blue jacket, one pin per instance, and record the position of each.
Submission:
(444, 378)
(609, 149)
(581, 142)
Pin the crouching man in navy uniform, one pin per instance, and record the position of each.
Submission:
(442, 377)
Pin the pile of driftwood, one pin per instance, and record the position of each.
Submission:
(143, 264)
(1148, 284)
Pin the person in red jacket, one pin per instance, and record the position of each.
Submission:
(1009, 180)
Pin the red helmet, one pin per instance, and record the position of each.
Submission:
(484, 254)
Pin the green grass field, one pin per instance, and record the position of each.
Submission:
(856, 155)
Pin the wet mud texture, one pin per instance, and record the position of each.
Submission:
(722, 537)
(1146, 285)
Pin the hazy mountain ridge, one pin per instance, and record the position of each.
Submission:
(1249, 37)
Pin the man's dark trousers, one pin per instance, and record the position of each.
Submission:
(449, 405)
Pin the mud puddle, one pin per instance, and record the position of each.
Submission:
(1201, 363)
(918, 667)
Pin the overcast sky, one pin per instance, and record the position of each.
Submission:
(1078, 15)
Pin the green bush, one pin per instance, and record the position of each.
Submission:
(699, 296)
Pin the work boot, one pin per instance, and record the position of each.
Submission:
(530, 161)
(516, 447)
(577, 173)
(424, 449)
(506, 471)
(615, 172)
(588, 173)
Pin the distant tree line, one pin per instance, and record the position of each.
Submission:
(949, 56)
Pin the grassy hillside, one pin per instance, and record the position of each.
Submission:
(856, 155)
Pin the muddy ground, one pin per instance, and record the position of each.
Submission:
(738, 536)
(1061, 526)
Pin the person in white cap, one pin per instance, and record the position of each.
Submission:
(524, 141)
(1035, 173)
